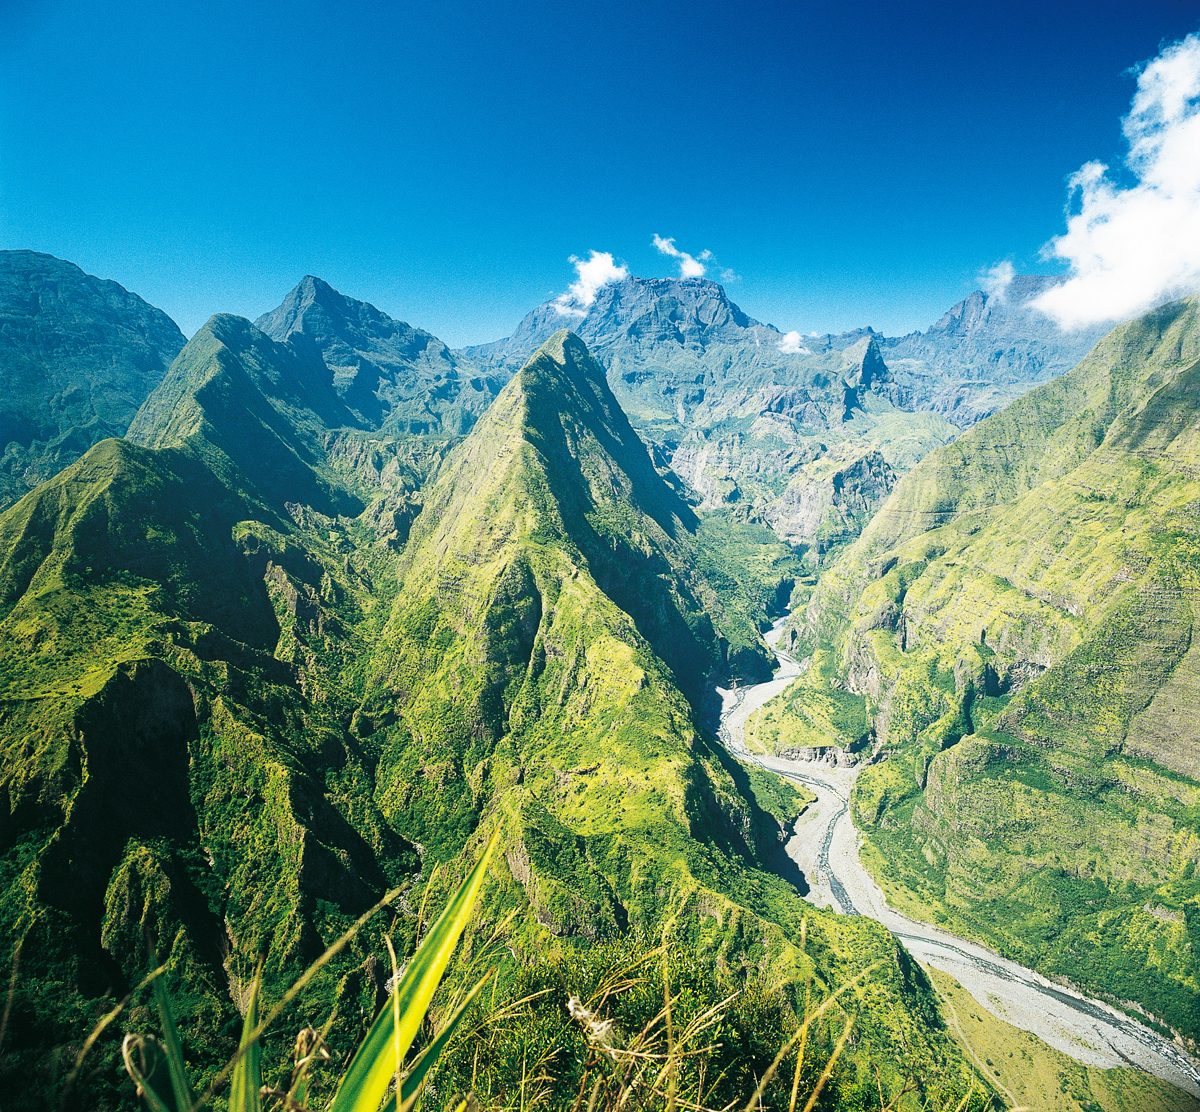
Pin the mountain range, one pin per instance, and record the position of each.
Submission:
(342, 602)
(806, 437)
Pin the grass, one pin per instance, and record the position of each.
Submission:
(644, 1028)
(1036, 1076)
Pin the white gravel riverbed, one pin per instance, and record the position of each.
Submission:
(825, 847)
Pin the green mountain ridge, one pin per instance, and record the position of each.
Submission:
(1018, 624)
(176, 778)
(251, 408)
(230, 721)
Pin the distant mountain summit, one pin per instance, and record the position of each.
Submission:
(738, 410)
(666, 343)
(689, 311)
(987, 351)
(393, 377)
(79, 355)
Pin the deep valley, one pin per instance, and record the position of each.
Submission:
(301, 612)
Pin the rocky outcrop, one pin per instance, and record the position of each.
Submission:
(829, 501)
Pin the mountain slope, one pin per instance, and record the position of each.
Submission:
(79, 356)
(177, 779)
(254, 410)
(227, 728)
(804, 437)
(986, 351)
(1018, 621)
(512, 686)
(393, 377)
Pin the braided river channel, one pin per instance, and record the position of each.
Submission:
(825, 847)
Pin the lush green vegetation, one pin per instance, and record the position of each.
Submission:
(812, 712)
(232, 722)
(1020, 619)
(753, 575)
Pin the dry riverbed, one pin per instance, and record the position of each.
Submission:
(825, 846)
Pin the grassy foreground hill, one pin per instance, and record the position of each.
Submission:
(1018, 628)
(233, 714)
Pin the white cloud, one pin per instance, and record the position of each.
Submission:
(996, 281)
(790, 344)
(689, 266)
(1133, 248)
(592, 273)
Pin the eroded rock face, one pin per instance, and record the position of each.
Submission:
(829, 500)
(79, 355)
(987, 351)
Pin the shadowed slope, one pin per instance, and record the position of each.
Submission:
(79, 356)
(253, 410)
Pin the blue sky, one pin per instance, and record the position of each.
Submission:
(850, 164)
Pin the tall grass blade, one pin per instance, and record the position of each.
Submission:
(429, 1056)
(146, 1062)
(370, 1074)
(245, 1085)
(180, 1088)
(298, 987)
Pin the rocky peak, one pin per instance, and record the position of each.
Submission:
(392, 376)
(642, 312)
(864, 364)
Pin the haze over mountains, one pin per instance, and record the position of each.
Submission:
(79, 356)
(342, 601)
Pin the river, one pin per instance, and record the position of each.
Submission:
(825, 846)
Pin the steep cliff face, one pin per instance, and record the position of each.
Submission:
(79, 355)
(1019, 617)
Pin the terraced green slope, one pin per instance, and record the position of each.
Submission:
(177, 778)
(229, 722)
(1019, 621)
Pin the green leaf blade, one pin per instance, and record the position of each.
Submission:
(370, 1074)
(245, 1086)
